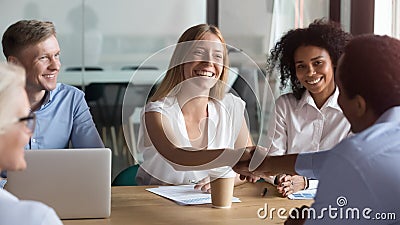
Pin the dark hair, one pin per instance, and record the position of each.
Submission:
(371, 68)
(24, 33)
(324, 34)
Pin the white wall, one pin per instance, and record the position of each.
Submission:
(383, 17)
(246, 25)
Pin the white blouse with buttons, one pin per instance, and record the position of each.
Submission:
(301, 127)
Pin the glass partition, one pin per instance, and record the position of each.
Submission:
(103, 43)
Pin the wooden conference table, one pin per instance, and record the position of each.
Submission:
(135, 205)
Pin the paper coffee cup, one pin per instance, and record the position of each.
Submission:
(222, 185)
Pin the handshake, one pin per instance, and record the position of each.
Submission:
(255, 163)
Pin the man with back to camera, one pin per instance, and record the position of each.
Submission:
(62, 113)
(359, 177)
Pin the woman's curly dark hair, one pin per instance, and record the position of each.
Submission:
(321, 33)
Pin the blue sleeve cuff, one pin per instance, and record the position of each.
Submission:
(309, 164)
(304, 165)
(312, 184)
(2, 183)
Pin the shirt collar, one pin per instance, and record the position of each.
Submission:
(331, 102)
(305, 99)
(49, 95)
(392, 115)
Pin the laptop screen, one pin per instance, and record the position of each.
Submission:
(75, 182)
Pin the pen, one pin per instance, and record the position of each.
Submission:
(264, 192)
(193, 182)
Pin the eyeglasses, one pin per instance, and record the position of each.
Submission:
(30, 121)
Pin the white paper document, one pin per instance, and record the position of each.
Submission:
(184, 194)
(304, 194)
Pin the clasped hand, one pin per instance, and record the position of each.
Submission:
(289, 184)
(242, 166)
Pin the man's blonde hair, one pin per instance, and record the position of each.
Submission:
(25, 33)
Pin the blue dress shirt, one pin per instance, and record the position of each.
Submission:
(360, 175)
(64, 117)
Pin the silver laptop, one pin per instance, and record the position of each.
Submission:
(75, 182)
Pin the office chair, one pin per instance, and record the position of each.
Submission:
(134, 122)
(95, 92)
(126, 177)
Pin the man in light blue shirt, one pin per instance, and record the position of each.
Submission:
(62, 114)
(359, 177)
(64, 117)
